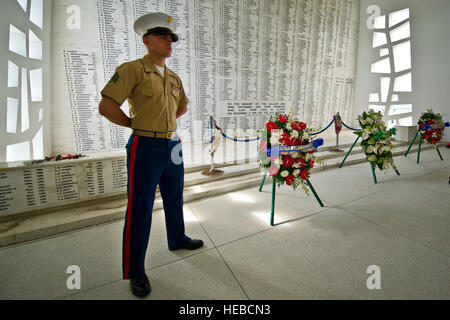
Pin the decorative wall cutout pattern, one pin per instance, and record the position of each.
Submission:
(23, 130)
(391, 37)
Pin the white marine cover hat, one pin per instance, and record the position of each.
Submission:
(156, 23)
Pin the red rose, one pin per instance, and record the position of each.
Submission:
(302, 126)
(301, 162)
(263, 146)
(286, 136)
(311, 164)
(287, 139)
(288, 161)
(290, 180)
(283, 118)
(273, 170)
(296, 125)
(433, 141)
(304, 174)
(422, 126)
(271, 126)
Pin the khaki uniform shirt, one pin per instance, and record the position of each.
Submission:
(153, 99)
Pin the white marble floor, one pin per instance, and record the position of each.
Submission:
(401, 224)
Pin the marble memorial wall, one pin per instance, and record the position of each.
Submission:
(25, 189)
(239, 60)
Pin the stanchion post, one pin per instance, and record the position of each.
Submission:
(212, 171)
(211, 126)
(348, 153)
(337, 141)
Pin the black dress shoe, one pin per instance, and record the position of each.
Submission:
(192, 244)
(140, 286)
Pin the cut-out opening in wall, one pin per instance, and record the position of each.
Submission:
(36, 84)
(35, 46)
(398, 16)
(374, 97)
(37, 12)
(402, 56)
(377, 108)
(403, 83)
(382, 66)
(23, 4)
(384, 52)
(24, 102)
(18, 152)
(12, 114)
(38, 143)
(13, 75)
(379, 39)
(407, 121)
(17, 41)
(384, 85)
(401, 32)
(400, 109)
(379, 22)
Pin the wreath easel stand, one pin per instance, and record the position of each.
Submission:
(272, 208)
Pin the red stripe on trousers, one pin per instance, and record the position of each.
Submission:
(129, 212)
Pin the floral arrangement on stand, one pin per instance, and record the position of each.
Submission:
(431, 126)
(291, 169)
(376, 140)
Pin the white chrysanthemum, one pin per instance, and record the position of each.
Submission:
(305, 136)
(275, 139)
(365, 135)
(277, 162)
(296, 165)
(369, 149)
(294, 134)
(284, 173)
(296, 172)
(308, 157)
(295, 155)
(288, 126)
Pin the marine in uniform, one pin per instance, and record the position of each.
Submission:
(156, 98)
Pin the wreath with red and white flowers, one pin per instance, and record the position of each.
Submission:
(431, 126)
(292, 169)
